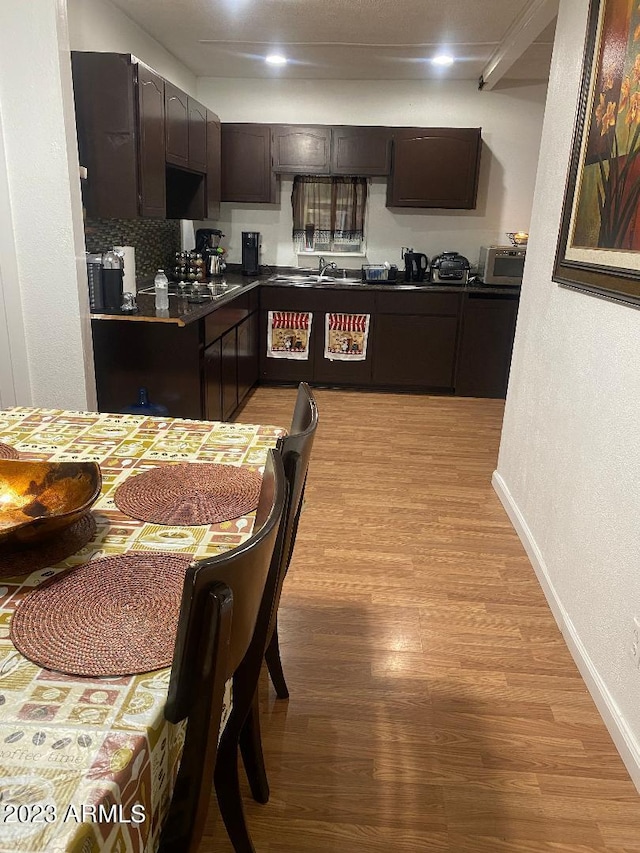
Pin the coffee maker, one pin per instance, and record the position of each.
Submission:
(250, 252)
(208, 245)
(105, 273)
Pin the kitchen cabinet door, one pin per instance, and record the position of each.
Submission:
(246, 163)
(247, 346)
(111, 188)
(151, 143)
(434, 167)
(337, 372)
(212, 378)
(197, 136)
(176, 125)
(301, 150)
(414, 351)
(229, 372)
(213, 166)
(360, 150)
(486, 343)
(415, 339)
(185, 130)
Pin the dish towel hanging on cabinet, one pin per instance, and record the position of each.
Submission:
(288, 334)
(346, 337)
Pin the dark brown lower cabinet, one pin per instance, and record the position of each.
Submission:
(161, 357)
(317, 368)
(203, 370)
(212, 376)
(247, 355)
(486, 342)
(229, 374)
(414, 351)
(415, 340)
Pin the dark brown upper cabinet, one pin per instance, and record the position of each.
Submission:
(151, 144)
(185, 130)
(301, 150)
(120, 125)
(247, 175)
(213, 166)
(435, 167)
(360, 151)
(176, 111)
(197, 136)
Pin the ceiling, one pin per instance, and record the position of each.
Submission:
(354, 39)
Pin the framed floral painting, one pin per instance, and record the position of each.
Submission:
(599, 242)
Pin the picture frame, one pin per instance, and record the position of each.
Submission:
(598, 248)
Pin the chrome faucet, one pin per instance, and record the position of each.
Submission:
(322, 267)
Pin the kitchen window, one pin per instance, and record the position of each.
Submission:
(328, 214)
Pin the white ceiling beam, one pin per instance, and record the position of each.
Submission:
(526, 28)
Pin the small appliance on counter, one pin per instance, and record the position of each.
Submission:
(208, 246)
(250, 252)
(105, 273)
(416, 265)
(380, 272)
(450, 268)
(502, 265)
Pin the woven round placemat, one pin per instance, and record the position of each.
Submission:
(23, 561)
(112, 616)
(190, 493)
(8, 452)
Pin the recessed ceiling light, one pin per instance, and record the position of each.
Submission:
(276, 59)
(442, 59)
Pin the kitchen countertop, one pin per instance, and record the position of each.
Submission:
(181, 312)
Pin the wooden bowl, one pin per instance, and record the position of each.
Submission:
(39, 499)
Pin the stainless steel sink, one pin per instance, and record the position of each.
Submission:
(310, 279)
(303, 279)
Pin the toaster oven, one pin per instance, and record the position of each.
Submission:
(502, 264)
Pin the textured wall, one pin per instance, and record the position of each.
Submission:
(569, 455)
(44, 277)
(511, 122)
(100, 26)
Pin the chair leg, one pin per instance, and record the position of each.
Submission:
(252, 755)
(227, 784)
(274, 665)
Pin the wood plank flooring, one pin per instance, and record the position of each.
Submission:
(434, 705)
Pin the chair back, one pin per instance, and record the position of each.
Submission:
(221, 599)
(296, 453)
(244, 570)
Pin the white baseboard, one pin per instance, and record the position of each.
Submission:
(624, 740)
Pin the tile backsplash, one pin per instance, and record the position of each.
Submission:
(155, 240)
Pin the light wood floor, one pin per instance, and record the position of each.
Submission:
(434, 705)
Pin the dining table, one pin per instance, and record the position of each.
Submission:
(88, 764)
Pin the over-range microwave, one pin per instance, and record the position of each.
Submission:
(502, 264)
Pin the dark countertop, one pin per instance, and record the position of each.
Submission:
(424, 287)
(182, 312)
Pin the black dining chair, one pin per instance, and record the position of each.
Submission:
(222, 597)
(296, 452)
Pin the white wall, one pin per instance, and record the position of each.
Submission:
(98, 25)
(47, 329)
(511, 121)
(569, 464)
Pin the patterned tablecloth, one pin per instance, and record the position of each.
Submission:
(88, 764)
